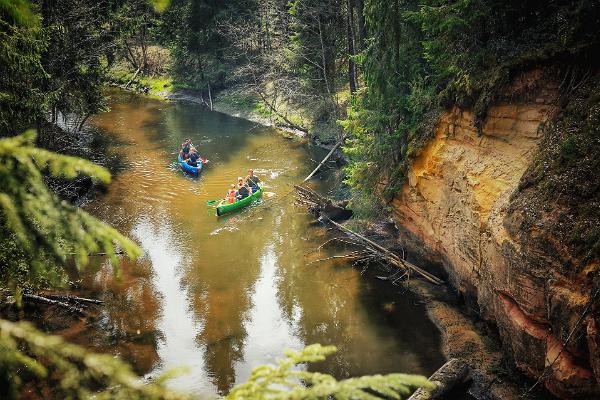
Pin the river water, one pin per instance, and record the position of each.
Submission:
(223, 295)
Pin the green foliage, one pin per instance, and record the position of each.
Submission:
(160, 5)
(560, 192)
(568, 149)
(423, 56)
(27, 355)
(396, 109)
(365, 206)
(21, 46)
(281, 381)
(193, 32)
(51, 60)
(43, 229)
(40, 231)
(17, 12)
(78, 37)
(316, 42)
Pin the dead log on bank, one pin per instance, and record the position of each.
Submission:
(334, 148)
(69, 297)
(450, 375)
(387, 255)
(44, 300)
(326, 211)
(133, 77)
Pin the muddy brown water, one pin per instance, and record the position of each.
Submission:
(224, 295)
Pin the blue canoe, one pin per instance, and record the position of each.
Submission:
(185, 167)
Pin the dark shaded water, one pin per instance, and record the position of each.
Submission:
(222, 296)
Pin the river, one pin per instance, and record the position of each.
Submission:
(223, 295)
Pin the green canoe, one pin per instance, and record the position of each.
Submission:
(224, 207)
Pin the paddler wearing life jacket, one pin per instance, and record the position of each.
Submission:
(231, 194)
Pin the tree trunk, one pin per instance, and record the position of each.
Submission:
(265, 100)
(43, 300)
(351, 50)
(83, 121)
(133, 77)
(130, 55)
(362, 28)
(144, 46)
(340, 142)
(323, 57)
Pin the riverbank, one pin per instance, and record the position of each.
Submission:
(236, 102)
(227, 102)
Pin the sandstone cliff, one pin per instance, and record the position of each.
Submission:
(475, 201)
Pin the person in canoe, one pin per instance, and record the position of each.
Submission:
(252, 180)
(231, 194)
(193, 157)
(185, 148)
(242, 189)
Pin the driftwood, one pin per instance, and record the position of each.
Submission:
(69, 297)
(451, 374)
(134, 76)
(324, 208)
(45, 300)
(119, 252)
(338, 144)
(387, 255)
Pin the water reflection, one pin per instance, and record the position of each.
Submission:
(224, 295)
(177, 324)
(267, 327)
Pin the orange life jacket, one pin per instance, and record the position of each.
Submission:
(231, 196)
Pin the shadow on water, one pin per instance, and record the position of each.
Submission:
(223, 295)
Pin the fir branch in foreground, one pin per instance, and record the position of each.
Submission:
(281, 381)
(28, 356)
(47, 229)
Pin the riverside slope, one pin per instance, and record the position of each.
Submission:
(462, 203)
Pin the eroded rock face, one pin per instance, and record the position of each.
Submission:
(461, 202)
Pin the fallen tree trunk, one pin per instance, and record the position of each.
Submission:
(447, 377)
(133, 77)
(389, 256)
(277, 113)
(338, 144)
(44, 300)
(321, 206)
(68, 297)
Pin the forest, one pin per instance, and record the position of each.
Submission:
(375, 76)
